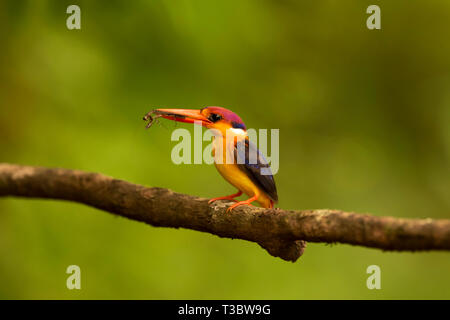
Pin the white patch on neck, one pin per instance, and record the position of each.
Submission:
(238, 131)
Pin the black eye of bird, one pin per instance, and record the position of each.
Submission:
(214, 117)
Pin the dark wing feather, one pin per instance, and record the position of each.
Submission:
(253, 170)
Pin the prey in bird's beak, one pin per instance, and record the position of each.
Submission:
(180, 115)
(150, 118)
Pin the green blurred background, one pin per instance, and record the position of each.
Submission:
(363, 118)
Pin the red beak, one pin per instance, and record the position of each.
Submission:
(183, 115)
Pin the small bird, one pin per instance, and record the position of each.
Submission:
(244, 174)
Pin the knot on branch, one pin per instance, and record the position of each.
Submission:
(284, 249)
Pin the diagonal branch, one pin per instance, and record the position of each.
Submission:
(281, 232)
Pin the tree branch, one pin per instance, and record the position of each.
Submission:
(281, 232)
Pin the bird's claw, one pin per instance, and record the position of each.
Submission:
(222, 198)
(231, 208)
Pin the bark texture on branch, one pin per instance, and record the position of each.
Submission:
(281, 232)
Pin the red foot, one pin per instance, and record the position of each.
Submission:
(240, 203)
(230, 197)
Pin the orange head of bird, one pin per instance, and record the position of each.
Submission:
(217, 118)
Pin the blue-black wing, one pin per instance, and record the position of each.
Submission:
(253, 165)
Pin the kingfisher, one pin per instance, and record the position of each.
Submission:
(244, 171)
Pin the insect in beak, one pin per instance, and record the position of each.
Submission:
(151, 117)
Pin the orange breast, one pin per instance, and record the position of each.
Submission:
(235, 176)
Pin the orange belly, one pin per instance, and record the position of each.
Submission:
(235, 176)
